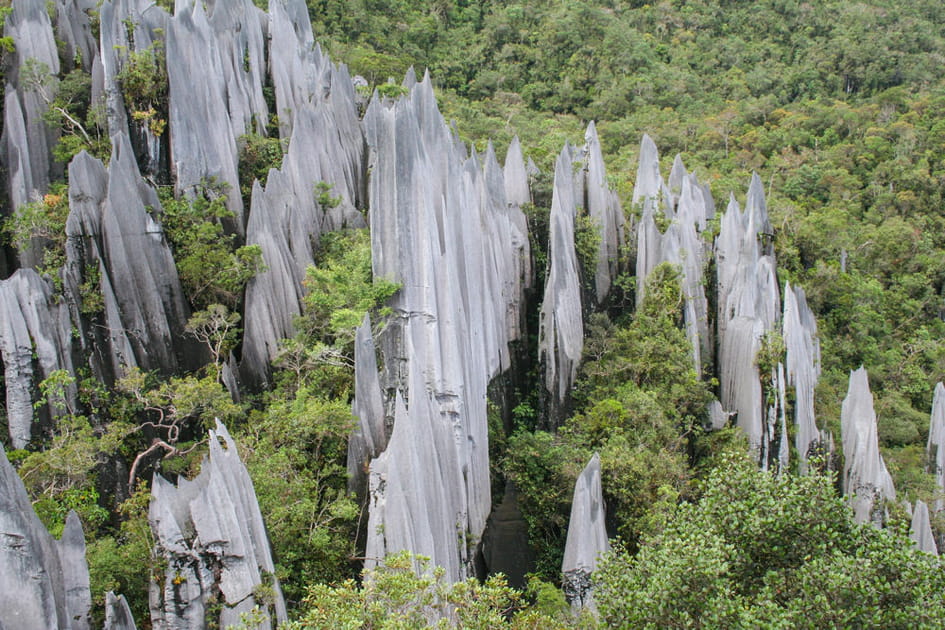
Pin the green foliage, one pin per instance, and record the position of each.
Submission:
(42, 224)
(144, 85)
(295, 453)
(404, 592)
(213, 268)
(779, 551)
(258, 154)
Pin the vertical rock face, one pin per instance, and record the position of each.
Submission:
(440, 226)
(561, 332)
(44, 583)
(749, 308)
(921, 529)
(326, 147)
(369, 437)
(687, 207)
(117, 613)
(203, 138)
(865, 478)
(35, 340)
(603, 207)
(111, 229)
(210, 533)
(587, 536)
(936, 445)
(27, 139)
(803, 367)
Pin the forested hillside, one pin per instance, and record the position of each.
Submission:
(290, 252)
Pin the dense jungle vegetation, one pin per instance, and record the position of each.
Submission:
(839, 106)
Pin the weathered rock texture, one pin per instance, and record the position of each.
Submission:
(211, 535)
(117, 613)
(865, 478)
(936, 445)
(35, 340)
(587, 536)
(44, 583)
(113, 227)
(686, 206)
(603, 208)
(803, 368)
(27, 140)
(442, 227)
(561, 332)
(921, 529)
(369, 438)
(749, 309)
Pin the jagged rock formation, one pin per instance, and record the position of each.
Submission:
(27, 140)
(865, 478)
(112, 227)
(587, 536)
(935, 450)
(211, 535)
(921, 529)
(117, 613)
(803, 367)
(603, 208)
(326, 145)
(128, 28)
(441, 226)
(561, 332)
(369, 437)
(35, 332)
(687, 206)
(749, 308)
(44, 583)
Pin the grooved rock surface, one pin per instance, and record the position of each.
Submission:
(211, 535)
(603, 208)
(110, 227)
(441, 227)
(865, 478)
(35, 340)
(587, 536)
(561, 332)
(803, 367)
(44, 583)
(369, 437)
(117, 613)
(921, 529)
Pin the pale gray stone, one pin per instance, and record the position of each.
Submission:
(603, 208)
(921, 529)
(117, 613)
(803, 367)
(866, 481)
(935, 449)
(587, 536)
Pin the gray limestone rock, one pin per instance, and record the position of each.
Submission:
(865, 478)
(650, 197)
(803, 367)
(202, 135)
(935, 450)
(921, 529)
(113, 226)
(117, 613)
(369, 437)
(35, 332)
(44, 583)
(441, 226)
(211, 535)
(587, 536)
(603, 208)
(74, 30)
(561, 331)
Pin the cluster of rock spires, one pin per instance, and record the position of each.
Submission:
(209, 534)
(446, 224)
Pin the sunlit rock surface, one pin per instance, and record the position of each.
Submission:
(117, 613)
(369, 437)
(44, 583)
(211, 535)
(587, 536)
(921, 529)
(603, 208)
(803, 367)
(441, 226)
(561, 332)
(866, 481)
